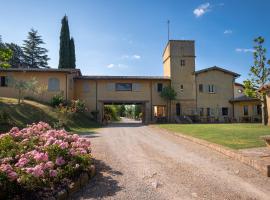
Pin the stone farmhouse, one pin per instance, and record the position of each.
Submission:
(208, 95)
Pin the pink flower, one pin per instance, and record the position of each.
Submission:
(6, 168)
(60, 161)
(41, 157)
(63, 145)
(49, 165)
(22, 162)
(53, 173)
(12, 175)
(36, 171)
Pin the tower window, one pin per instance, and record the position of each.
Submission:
(182, 62)
(211, 88)
(181, 88)
(159, 87)
(200, 87)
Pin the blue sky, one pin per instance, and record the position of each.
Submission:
(127, 37)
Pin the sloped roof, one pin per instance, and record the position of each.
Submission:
(243, 98)
(219, 69)
(40, 70)
(124, 77)
(238, 84)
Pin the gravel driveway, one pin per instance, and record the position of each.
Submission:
(139, 162)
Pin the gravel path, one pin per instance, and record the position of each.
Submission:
(139, 162)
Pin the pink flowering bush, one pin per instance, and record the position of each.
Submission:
(39, 156)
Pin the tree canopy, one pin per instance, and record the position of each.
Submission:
(67, 58)
(259, 75)
(35, 56)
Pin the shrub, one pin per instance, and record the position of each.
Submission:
(110, 113)
(78, 106)
(39, 157)
(4, 117)
(57, 100)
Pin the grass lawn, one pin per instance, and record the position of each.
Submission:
(31, 111)
(235, 136)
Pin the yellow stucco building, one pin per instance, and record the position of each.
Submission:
(208, 95)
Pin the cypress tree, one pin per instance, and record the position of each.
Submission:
(72, 54)
(64, 52)
(34, 55)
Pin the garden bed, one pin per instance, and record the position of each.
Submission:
(39, 162)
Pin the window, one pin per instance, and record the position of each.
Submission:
(225, 111)
(86, 87)
(200, 87)
(181, 88)
(4, 81)
(201, 111)
(159, 111)
(208, 112)
(123, 86)
(259, 109)
(182, 62)
(245, 109)
(211, 88)
(159, 87)
(54, 84)
(178, 109)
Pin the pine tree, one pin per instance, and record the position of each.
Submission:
(64, 52)
(72, 54)
(17, 59)
(34, 55)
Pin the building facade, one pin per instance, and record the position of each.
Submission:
(207, 95)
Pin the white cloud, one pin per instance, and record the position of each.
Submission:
(131, 57)
(228, 31)
(201, 9)
(135, 56)
(110, 66)
(244, 50)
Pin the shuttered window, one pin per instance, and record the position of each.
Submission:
(53, 84)
(136, 87)
(86, 87)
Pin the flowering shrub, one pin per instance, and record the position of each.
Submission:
(38, 156)
(78, 106)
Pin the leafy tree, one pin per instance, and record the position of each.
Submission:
(258, 76)
(64, 52)
(72, 54)
(168, 94)
(5, 55)
(24, 86)
(122, 110)
(35, 56)
(137, 111)
(17, 59)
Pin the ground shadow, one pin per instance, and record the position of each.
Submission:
(102, 185)
(91, 134)
(125, 124)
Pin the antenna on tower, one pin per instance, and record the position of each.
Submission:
(168, 23)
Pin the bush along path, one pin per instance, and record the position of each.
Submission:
(39, 162)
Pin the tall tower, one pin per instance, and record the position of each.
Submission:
(179, 65)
